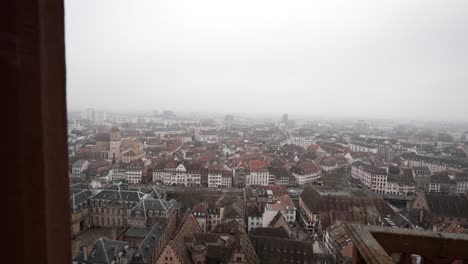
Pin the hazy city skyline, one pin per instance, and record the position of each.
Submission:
(388, 59)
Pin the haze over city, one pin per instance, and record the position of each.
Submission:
(385, 59)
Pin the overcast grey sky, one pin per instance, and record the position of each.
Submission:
(391, 59)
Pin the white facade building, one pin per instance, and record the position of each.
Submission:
(303, 142)
(177, 174)
(226, 180)
(362, 148)
(254, 222)
(260, 177)
(133, 174)
(462, 186)
(78, 167)
(373, 178)
(214, 179)
(306, 178)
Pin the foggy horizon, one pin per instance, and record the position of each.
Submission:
(386, 59)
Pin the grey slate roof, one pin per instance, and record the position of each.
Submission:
(151, 205)
(103, 251)
(146, 247)
(79, 199)
(116, 195)
(137, 231)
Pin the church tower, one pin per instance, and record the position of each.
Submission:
(114, 149)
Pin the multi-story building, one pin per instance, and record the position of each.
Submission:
(462, 183)
(441, 183)
(240, 175)
(210, 136)
(303, 142)
(372, 177)
(172, 172)
(327, 165)
(387, 152)
(118, 172)
(78, 167)
(226, 179)
(214, 215)
(280, 174)
(258, 174)
(111, 207)
(361, 147)
(193, 174)
(133, 173)
(79, 195)
(421, 176)
(400, 184)
(435, 164)
(361, 126)
(305, 172)
(201, 215)
(254, 216)
(446, 183)
(152, 210)
(214, 177)
(131, 155)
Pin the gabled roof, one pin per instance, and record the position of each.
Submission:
(103, 251)
(146, 247)
(448, 205)
(177, 245)
(275, 219)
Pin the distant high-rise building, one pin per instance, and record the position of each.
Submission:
(100, 117)
(168, 114)
(228, 119)
(285, 119)
(90, 115)
(361, 126)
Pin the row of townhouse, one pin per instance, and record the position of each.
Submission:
(380, 181)
(435, 164)
(173, 172)
(360, 147)
(446, 183)
(132, 173)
